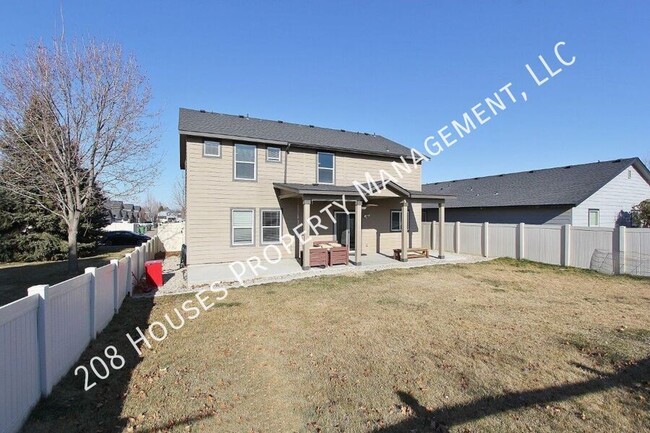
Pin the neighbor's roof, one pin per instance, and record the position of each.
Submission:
(202, 123)
(568, 185)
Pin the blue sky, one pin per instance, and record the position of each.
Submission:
(401, 69)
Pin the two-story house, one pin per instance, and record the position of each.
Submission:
(251, 183)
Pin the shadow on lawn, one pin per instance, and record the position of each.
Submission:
(635, 376)
(71, 409)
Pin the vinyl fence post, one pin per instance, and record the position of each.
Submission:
(93, 303)
(486, 239)
(43, 332)
(621, 250)
(522, 242)
(129, 277)
(566, 245)
(116, 286)
(457, 237)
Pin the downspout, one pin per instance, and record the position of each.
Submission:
(286, 158)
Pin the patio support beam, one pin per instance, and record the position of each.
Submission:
(306, 242)
(358, 241)
(441, 230)
(405, 221)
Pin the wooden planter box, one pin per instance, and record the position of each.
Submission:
(318, 257)
(337, 255)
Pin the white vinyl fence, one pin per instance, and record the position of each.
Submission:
(620, 250)
(43, 334)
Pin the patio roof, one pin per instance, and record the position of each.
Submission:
(319, 190)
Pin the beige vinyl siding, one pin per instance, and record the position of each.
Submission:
(212, 192)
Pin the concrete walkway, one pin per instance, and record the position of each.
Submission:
(201, 276)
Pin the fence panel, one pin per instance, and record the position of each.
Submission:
(122, 282)
(426, 235)
(585, 241)
(104, 297)
(68, 324)
(471, 238)
(543, 243)
(502, 240)
(449, 236)
(19, 362)
(637, 252)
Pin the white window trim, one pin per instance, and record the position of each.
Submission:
(262, 227)
(233, 227)
(408, 220)
(279, 159)
(210, 155)
(589, 211)
(318, 168)
(244, 162)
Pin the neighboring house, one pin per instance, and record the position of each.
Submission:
(166, 216)
(124, 212)
(599, 194)
(251, 181)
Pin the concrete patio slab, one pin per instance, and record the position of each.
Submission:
(289, 269)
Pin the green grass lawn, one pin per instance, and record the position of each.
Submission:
(16, 278)
(500, 346)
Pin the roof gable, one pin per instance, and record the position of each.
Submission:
(569, 185)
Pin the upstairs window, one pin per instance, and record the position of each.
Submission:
(245, 161)
(212, 148)
(594, 217)
(325, 168)
(273, 154)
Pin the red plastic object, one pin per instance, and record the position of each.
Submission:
(153, 271)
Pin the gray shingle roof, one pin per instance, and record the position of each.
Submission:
(201, 122)
(568, 185)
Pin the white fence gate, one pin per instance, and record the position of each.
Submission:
(43, 334)
(620, 250)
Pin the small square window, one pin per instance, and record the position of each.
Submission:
(212, 148)
(273, 154)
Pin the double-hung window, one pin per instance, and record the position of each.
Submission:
(594, 217)
(396, 221)
(212, 148)
(242, 221)
(245, 161)
(271, 222)
(273, 154)
(325, 168)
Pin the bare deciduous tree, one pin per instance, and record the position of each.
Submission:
(151, 206)
(86, 107)
(179, 196)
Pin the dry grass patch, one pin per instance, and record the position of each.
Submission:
(424, 349)
(17, 277)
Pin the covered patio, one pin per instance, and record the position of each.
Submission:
(349, 209)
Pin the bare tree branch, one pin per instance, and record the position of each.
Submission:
(74, 116)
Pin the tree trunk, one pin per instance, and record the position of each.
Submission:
(73, 255)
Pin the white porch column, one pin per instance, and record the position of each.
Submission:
(405, 222)
(306, 244)
(441, 230)
(358, 239)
